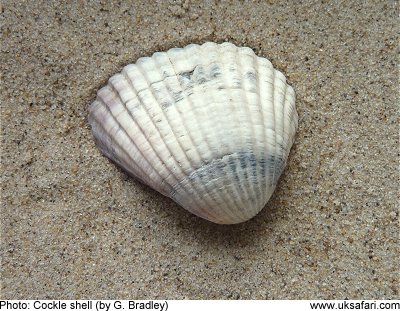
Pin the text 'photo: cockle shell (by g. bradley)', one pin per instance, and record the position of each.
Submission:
(209, 126)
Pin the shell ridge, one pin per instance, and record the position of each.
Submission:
(286, 106)
(246, 170)
(170, 126)
(224, 164)
(238, 188)
(201, 203)
(212, 57)
(246, 110)
(276, 122)
(101, 100)
(205, 211)
(236, 81)
(204, 186)
(285, 149)
(227, 209)
(256, 118)
(246, 167)
(265, 91)
(231, 54)
(269, 119)
(276, 115)
(127, 78)
(292, 119)
(205, 182)
(210, 54)
(279, 161)
(288, 116)
(282, 161)
(125, 165)
(229, 147)
(242, 115)
(123, 104)
(262, 165)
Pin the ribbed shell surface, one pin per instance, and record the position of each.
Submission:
(209, 126)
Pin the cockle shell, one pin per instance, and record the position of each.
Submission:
(209, 126)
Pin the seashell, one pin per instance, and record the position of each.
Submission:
(209, 126)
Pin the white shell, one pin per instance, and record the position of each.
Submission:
(209, 126)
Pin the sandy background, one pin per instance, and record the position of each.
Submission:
(75, 226)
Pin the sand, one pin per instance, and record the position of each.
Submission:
(75, 226)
